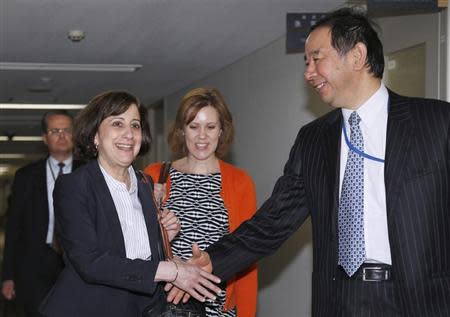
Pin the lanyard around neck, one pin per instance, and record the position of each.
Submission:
(51, 170)
(357, 151)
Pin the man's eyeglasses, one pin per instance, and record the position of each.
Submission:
(58, 131)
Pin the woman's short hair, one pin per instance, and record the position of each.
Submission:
(102, 106)
(190, 105)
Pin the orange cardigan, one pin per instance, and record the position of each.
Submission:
(239, 196)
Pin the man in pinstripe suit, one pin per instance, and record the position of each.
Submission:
(406, 192)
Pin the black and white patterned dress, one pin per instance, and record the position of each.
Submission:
(196, 200)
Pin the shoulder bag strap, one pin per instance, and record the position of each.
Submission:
(165, 238)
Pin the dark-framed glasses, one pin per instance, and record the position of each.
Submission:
(58, 131)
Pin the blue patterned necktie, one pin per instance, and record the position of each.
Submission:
(351, 207)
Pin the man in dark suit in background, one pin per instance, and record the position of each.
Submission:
(31, 261)
(374, 175)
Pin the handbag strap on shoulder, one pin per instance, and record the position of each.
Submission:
(164, 236)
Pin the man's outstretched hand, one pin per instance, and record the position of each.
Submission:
(199, 258)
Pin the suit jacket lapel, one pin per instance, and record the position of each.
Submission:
(331, 150)
(400, 130)
(40, 182)
(151, 220)
(107, 205)
(40, 195)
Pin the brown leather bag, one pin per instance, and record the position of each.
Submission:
(164, 173)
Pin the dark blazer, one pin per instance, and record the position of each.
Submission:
(98, 279)
(417, 179)
(28, 260)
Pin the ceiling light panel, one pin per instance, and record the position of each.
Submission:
(23, 138)
(27, 106)
(70, 67)
(12, 156)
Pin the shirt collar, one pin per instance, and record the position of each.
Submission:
(67, 163)
(371, 109)
(118, 184)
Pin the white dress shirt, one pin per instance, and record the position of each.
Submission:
(374, 114)
(52, 170)
(131, 217)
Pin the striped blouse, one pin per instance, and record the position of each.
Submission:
(131, 217)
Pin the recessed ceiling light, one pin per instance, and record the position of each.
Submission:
(76, 35)
(46, 79)
(71, 67)
(26, 106)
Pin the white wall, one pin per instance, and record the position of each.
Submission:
(270, 102)
(406, 31)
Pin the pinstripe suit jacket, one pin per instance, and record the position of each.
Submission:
(417, 179)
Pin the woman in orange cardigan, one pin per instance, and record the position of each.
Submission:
(209, 196)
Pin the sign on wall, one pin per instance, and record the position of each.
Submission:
(401, 7)
(298, 25)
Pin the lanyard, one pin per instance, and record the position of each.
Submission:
(359, 152)
(51, 170)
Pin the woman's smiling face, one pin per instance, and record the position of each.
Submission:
(119, 138)
(202, 134)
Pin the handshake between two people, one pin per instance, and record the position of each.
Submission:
(190, 278)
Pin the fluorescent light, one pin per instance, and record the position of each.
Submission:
(32, 106)
(4, 169)
(71, 67)
(11, 156)
(21, 138)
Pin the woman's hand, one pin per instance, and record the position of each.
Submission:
(199, 258)
(171, 223)
(190, 278)
(196, 282)
(159, 190)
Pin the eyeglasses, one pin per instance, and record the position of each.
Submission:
(58, 131)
